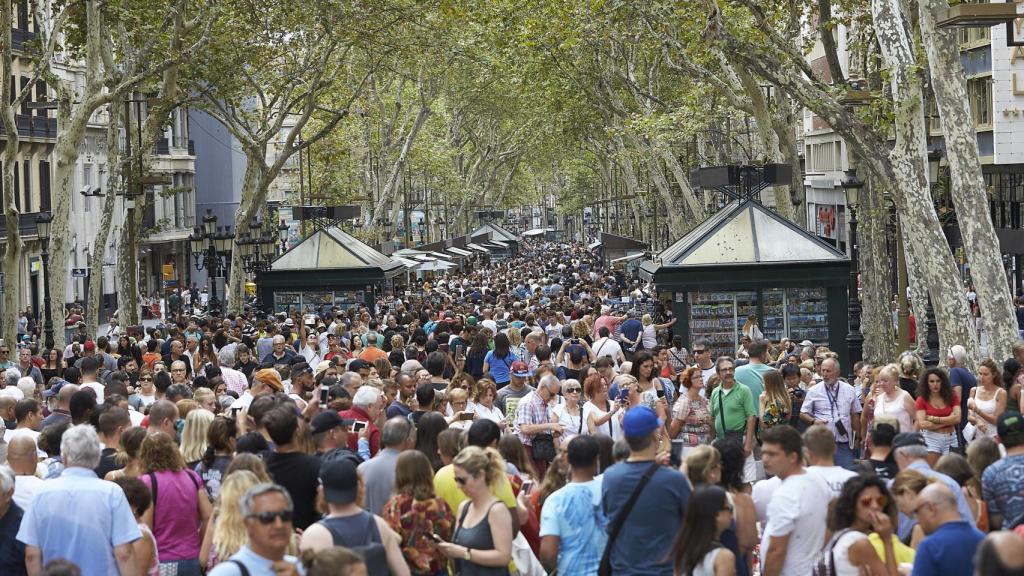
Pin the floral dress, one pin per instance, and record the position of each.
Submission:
(775, 413)
(414, 520)
(696, 418)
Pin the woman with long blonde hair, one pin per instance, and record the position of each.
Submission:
(193, 436)
(775, 405)
(227, 533)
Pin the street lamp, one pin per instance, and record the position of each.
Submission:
(854, 339)
(43, 221)
(211, 251)
(258, 247)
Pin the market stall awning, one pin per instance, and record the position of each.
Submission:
(500, 243)
(636, 256)
(743, 233)
(423, 258)
(494, 232)
(477, 247)
(434, 266)
(440, 255)
(459, 252)
(538, 231)
(334, 249)
(407, 263)
(594, 245)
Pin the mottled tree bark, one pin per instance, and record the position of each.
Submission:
(875, 268)
(949, 84)
(99, 247)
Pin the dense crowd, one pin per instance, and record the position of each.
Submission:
(525, 417)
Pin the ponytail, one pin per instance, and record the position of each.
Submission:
(475, 460)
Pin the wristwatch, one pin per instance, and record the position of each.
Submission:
(469, 554)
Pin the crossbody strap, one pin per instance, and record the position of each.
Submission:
(241, 567)
(620, 519)
(721, 410)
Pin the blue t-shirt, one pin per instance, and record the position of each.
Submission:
(645, 541)
(630, 329)
(499, 367)
(962, 377)
(1002, 487)
(573, 513)
(948, 551)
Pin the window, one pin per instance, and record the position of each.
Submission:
(44, 185)
(979, 94)
(824, 157)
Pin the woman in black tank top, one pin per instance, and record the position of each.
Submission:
(482, 543)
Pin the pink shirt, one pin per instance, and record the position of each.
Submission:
(234, 380)
(176, 513)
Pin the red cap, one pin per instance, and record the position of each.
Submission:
(90, 345)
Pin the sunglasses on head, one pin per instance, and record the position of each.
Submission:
(270, 516)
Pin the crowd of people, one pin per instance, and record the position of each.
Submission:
(531, 416)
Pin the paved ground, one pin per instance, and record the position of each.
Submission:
(102, 331)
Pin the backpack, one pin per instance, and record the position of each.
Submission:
(826, 563)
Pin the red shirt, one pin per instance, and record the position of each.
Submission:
(358, 414)
(930, 410)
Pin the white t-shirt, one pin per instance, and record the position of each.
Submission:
(99, 388)
(616, 422)
(493, 413)
(834, 476)
(573, 425)
(797, 509)
(607, 347)
(762, 495)
(24, 488)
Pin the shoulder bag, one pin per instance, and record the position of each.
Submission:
(620, 519)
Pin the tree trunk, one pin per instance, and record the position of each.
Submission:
(967, 183)
(875, 262)
(254, 195)
(928, 248)
(785, 124)
(13, 242)
(99, 247)
(66, 155)
(917, 296)
(769, 137)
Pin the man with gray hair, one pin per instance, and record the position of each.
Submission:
(267, 513)
(962, 381)
(379, 472)
(911, 453)
(366, 407)
(98, 536)
(12, 557)
(233, 379)
(532, 419)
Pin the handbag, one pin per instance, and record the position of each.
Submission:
(543, 447)
(605, 568)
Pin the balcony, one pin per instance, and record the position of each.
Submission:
(27, 226)
(191, 148)
(34, 126)
(19, 37)
(162, 148)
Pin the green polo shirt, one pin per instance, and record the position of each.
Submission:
(738, 405)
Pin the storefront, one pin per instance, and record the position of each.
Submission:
(748, 260)
(329, 268)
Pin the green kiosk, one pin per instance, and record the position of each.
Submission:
(328, 268)
(746, 260)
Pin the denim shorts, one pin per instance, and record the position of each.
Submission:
(939, 442)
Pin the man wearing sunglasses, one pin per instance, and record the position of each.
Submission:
(5, 357)
(267, 512)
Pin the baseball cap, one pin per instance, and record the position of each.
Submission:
(904, 439)
(340, 481)
(520, 369)
(289, 322)
(640, 421)
(325, 421)
(270, 377)
(807, 343)
(90, 345)
(1010, 424)
(323, 365)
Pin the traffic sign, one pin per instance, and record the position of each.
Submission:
(79, 272)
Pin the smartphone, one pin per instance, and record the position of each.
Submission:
(325, 393)
(460, 350)
(358, 425)
(623, 395)
(435, 537)
(466, 416)
(661, 393)
(527, 487)
(234, 411)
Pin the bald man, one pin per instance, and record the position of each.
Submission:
(951, 543)
(22, 458)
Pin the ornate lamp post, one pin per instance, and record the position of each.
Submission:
(211, 251)
(258, 247)
(854, 339)
(43, 221)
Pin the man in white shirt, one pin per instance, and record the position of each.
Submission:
(819, 451)
(90, 366)
(22, 458)
(795, 531)
(606, 346)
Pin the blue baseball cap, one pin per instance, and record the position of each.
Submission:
(640, 421)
